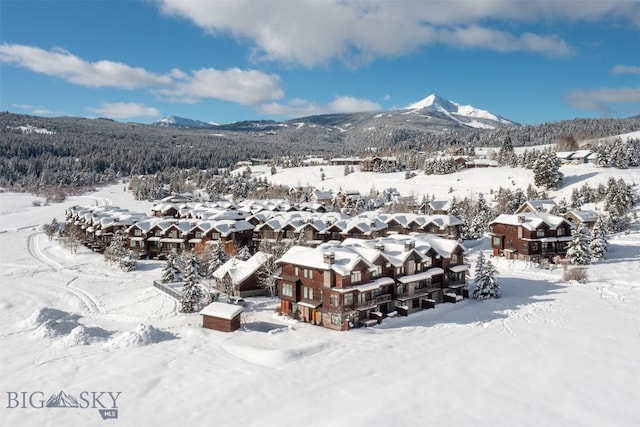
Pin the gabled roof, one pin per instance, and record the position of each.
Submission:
(344, 258)
(583, 215)
(239, 270)
(542, 205)
(530, 220)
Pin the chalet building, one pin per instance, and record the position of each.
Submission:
(321, 196)
(447, 226)
(345, 161)
(360, 281)
(240, 278)
(543, 205)
(579, 216)
(163, 210)
(379, 164)
(530, 236)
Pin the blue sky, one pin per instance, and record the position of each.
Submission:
(222, 61)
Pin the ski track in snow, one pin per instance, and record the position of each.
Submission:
(88, 300)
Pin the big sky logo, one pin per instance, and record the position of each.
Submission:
(106, 402)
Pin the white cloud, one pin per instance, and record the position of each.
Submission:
(300, 107)
(33, 109)
(69, 67)
(121, 110)
(311, 33)
(603, 99)
(247, 87)
(626, 69)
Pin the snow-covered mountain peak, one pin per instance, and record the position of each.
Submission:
(435, 103)
(181, 122)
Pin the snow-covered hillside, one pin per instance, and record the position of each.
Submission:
(181, 122)
(545, 353)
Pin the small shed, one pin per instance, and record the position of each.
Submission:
(221, 316)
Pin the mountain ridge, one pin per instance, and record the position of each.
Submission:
(433, 107)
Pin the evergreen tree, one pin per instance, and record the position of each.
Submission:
(486, 283)
(191, 291)
(52, 228)
(546, 171)
(506, 154)
(173, 269)
(216, 260)
(129, 261)
(578, 251)
(598, 244)
(244, 253)
(116, 249)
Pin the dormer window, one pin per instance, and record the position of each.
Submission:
(378, 271)
(454, 258)
(356, 276)
(540, 232)
(427, 263)
(560, 231)
(137, 232)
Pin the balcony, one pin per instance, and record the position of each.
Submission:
(383, 298)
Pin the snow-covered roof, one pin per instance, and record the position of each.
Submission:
(240, 270)
(222, 310)
(530, 220)
(583, 215)
(541, 205)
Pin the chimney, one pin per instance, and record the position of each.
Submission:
(379, 246)
(520, 219)
(408, 245)
(329, 257)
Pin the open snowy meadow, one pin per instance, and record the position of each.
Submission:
(546, 353)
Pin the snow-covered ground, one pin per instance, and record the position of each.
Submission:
(546, 353)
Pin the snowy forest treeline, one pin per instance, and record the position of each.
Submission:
(78, 153)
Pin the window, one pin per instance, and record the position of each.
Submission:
(287, 289)
(415, 303)
(296, 271)
(509, 243)
(454, 258)
(308, 274)
(333, 300)
(560, 232)
(356, 276)
(525, 246)
(400, 290)
(137, 232)
(307, 292)
(427, 263)
(348, 299)
(399, 271)
(378, 271)
(540, 232)
(215, 236)
(497, 241)
(534, 247)
(362, 298)
(198, 234)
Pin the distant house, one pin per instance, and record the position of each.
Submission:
(542, 205)
(379, 164)
(580, 216)
(241, 276)
(221, 316)
(345, 161)
(530, 236)
(321, 196)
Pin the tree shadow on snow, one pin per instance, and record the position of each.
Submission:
(515, 294)
(574, 179)
(149, 265)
